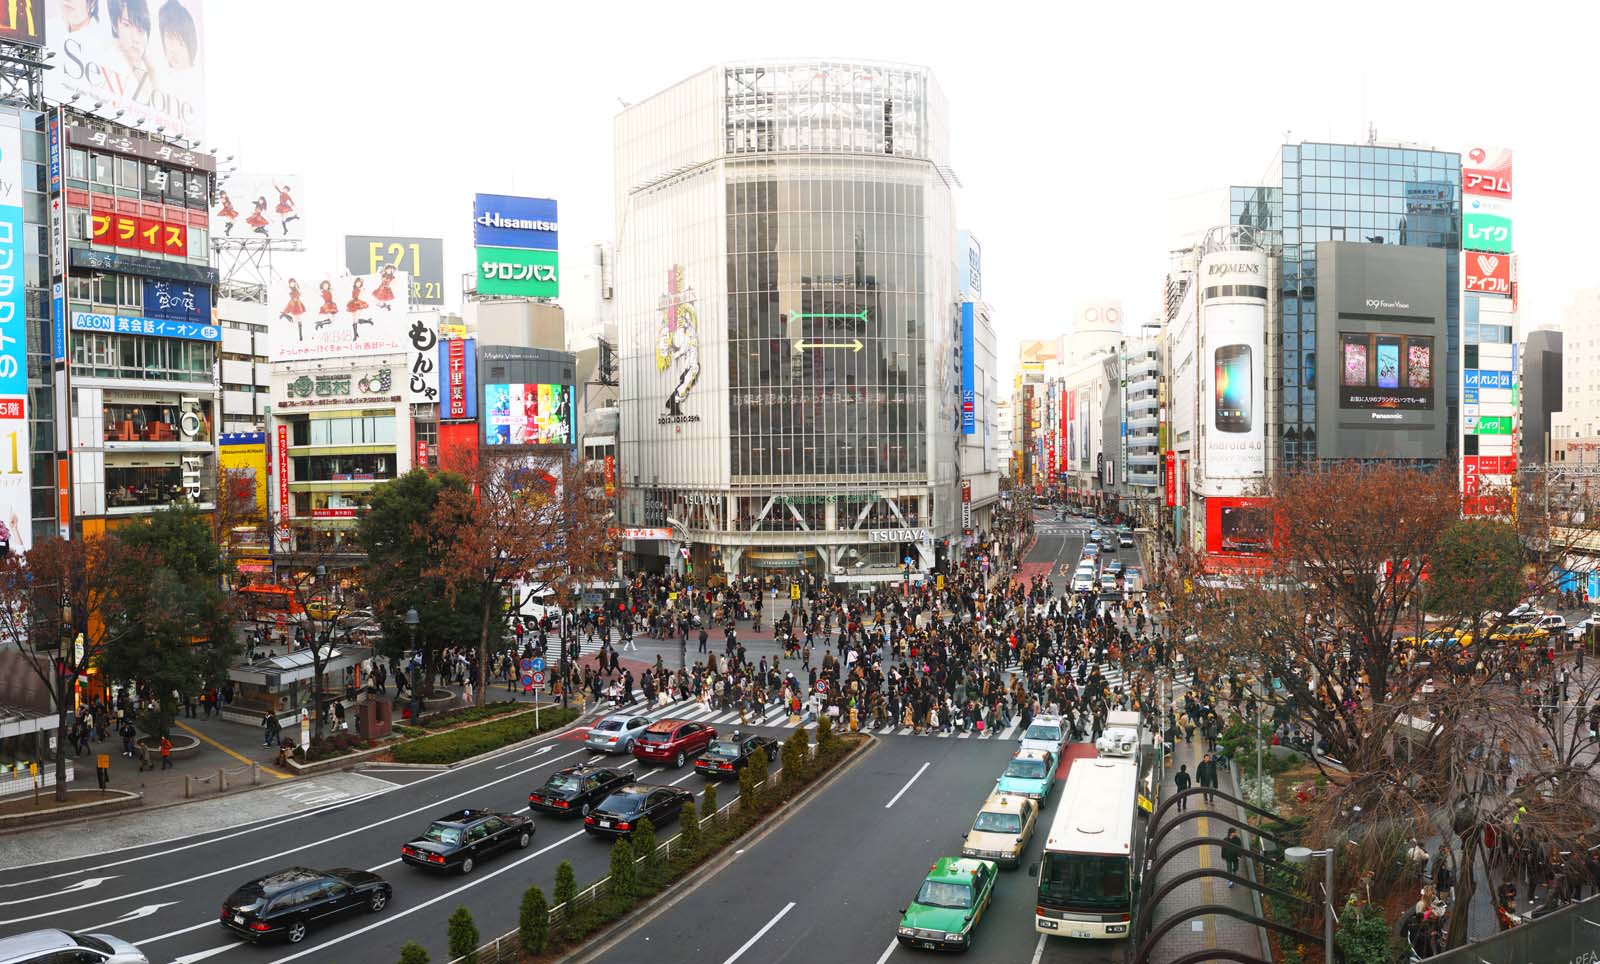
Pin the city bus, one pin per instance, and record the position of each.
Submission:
(1091, 860)
(269, 604)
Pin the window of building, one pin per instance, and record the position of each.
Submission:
(356, 430)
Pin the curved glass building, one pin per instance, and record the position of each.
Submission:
(788, 320)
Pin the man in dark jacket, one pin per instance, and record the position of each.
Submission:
(1206, 772)
(1181, 780)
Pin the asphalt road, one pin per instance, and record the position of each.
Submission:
(165, 897)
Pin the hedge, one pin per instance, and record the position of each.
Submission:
(457, 745)
(470, 714)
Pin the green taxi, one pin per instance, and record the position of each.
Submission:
(1031, 773)
(950, 904)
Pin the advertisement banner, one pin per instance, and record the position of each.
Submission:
(503, 221)
(148, 65)
(1172, 479)
(1235, 331)
(529, 415)
(518, 272)
(134, 233)
(1493, 425)
(1480, 378)
(422, 356)
(966, 506)
(264, 207)
(22, 22)
(151, 327)
(969, 372)
(283, 475)
(1489, 273)
(631, 532)
(421, 259)
(1486, 172)
(1486, 232)
(611, 476)
(421, 454)
(341, 321)
(178, 301)
(243, 456)
(459, 358)
(1238, 526)
(13, 257)
(1386, 372)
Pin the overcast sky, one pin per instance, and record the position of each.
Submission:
(1073, 125)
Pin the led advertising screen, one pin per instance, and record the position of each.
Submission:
(1386, 371)
(520, 414)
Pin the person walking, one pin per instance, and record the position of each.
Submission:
(1182, 780)
(1232, 850)
(1206, 773)
(166, 753)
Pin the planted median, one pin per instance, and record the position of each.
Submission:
(465, 742)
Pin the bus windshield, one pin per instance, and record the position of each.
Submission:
(1083, 880)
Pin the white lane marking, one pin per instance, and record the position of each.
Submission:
(682, 778)
(202, 955)
(1038, 950)
(1011, 728)
(305, 846)
(903, 731)
(539, 752)
(187, 930)
(886, 730)
(87, 883)
(890, 950)
(920, 771)
(760, 933)
(475, 881)
(944, 734)
(132, 915)
(965, 735)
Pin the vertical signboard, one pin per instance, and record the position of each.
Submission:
(969, 371)
(516, 240)
(966, 506)
(1234, 325)
(1172, 479)
(1489, 423)
(459, 359)
(283, 476)
(16, 503)
(422, 357)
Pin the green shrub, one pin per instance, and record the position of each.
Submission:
(566, 884)
(749, 782)
(644, 845)
(796, 758)
(533, 921)
(624, 873)
(1363, 936)
(463, 936)
(413, 953)
(471, 714)
(711, 805)
(689, 826)
(826, 741)
(457, 745)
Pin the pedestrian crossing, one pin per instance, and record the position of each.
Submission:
(778, 716)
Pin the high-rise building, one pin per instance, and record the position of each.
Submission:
(1542, 394)
(788, 317)
(1367, 194)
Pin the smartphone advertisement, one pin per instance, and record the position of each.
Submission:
(1236, 348)
(1381, 371)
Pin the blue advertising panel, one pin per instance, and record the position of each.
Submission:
(458, 375)
(969, 377)
(1485, 378)
(178, 301)
(13, 303)
(58, 320)
(499, 221)
(151, 327)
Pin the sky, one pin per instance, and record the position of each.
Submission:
(1074, 126)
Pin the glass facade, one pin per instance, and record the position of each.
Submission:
(1360, 193)
(827, 307)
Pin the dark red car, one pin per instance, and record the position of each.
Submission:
(672, 741)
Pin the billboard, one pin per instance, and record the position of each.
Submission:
(132, 232)
(521, 272)
(178, 301)
(1234, 327)
(969, 372)
(422, 259)
(1386, 371)
(259, 206)
(502, 221)
(1488, 273)
(243, 456)
(1481, 231)
(1486, 172)
(969, 266)
(422, 358)
(520, 414)
(341, 316)
(150, 327)
(22, 22)
(1239, 527)
(148, 64)
(16, 502)
(458, 359)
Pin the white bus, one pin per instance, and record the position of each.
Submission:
(1092, 856)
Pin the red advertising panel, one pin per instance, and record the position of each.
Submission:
(458, 445)
(1489, 273)
(422, 453)
(1470, 469)
(283, 475)
(1062, 438)
(1486, 172)
(333, 513)
(135, 233)
(1172, 479)
(1238, 527)
(611, 476)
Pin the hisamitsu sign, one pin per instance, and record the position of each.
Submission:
(502, 221)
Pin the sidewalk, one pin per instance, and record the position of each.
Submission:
(1210, 931)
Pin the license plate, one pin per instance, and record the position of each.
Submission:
(1078, 933)
(238, 918)
(605, 823)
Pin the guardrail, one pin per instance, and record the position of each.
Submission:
(220, 779)
(507, 947)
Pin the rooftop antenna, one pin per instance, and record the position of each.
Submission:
(1372, 133)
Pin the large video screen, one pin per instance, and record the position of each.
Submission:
(1386, 371)
(529, 415)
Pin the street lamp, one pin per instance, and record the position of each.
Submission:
(1302, 856)
(412, 620)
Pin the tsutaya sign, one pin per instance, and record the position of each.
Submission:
(899, 535)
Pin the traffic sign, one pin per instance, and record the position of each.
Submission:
(536, 664)
(538, 677)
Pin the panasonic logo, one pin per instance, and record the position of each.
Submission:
(1387, 416)
(492, 219)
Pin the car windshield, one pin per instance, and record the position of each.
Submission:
(936, 893)
(723, 748)
(608, 726)
(623, 802)
(442, 833)
(93, 943)
(652, 736)
(563, 781)
(1041, 732)
(1084, 880)
(1026, 769)
(247, 899)
(990, 822)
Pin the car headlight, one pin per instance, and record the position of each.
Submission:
(907, 931)
(952, 937)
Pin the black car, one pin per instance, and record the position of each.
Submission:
(725, 758)
(457, 841)
(619, 814)
(287, 903)
(575, 790)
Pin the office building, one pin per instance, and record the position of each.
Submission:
(1542, 393)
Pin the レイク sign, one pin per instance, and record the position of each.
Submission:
(1486, 232)
(1489, 273)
